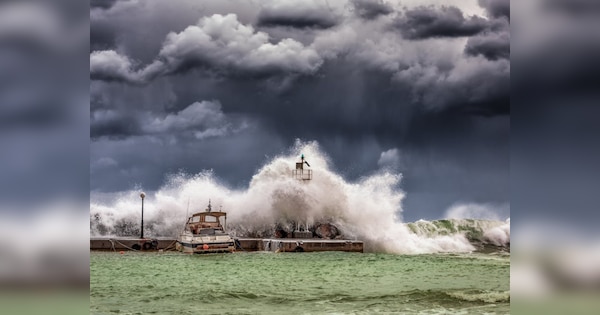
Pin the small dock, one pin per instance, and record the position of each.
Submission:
(242, 244)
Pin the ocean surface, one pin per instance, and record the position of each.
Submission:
(298, 283)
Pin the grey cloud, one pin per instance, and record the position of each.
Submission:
(113, 124)
(103, 4)
(496, 8)
(202, 119)
(431, 22)
(103, 163)
(138, 28)
(218, 43)
(103, 35)
(370, 9)
(475, 87)
(199, 120)
(108, 65)
(298, 14)
(492, 46)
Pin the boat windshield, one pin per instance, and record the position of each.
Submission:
(207, 232)
(209, 218)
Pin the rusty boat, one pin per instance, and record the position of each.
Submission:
(204, 233)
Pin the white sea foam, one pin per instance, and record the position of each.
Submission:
(499, 235)
(368, 209)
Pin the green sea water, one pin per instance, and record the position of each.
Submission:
(298, 283)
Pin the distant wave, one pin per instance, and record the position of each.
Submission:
(478, 232)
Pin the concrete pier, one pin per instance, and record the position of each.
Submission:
(124, 243)
(242, 244)
(300, 245)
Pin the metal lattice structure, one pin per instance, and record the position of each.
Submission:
(300, 173)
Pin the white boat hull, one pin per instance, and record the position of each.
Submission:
(206, 244)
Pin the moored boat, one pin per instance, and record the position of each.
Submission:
(204, 232)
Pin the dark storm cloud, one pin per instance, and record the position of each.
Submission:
(357, 88)
(109, 123)
(496, 8)
(102, 36)
(219, 43)
(492, 46)
(370, 9)
(432, 22)
(199, 120)
(476, 87)
(103, 4)
(298, 14)
(493, 43)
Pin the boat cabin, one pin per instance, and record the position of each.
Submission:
(207, 223)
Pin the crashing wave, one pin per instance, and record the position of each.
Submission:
(274, 202)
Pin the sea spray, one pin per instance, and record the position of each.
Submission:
(479, 232)
(499, 235)
(368, 209)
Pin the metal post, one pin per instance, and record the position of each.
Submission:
(142, 195)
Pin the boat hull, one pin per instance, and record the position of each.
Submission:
(205, 247)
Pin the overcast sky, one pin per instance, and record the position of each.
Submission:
(420, 87)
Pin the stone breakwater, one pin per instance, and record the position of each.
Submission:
(483, 235)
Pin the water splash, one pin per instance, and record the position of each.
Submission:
(499, 235)
(368, 209)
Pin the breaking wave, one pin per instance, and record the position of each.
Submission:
(481, 296)
(368, 209)
(492, 232)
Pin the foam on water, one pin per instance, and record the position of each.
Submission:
(368, 209)
(499, 235)
(487, 296)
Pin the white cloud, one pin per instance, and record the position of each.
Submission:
(389, 158)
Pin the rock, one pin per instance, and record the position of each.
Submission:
(326, 230)
(280, 233)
